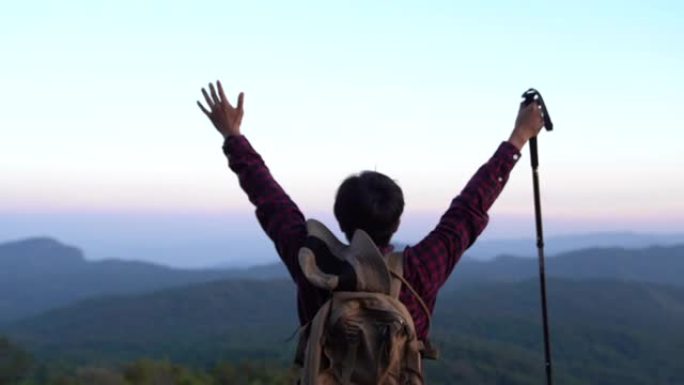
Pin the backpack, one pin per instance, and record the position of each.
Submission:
(362, 334)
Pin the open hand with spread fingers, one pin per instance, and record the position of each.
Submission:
(223, 115)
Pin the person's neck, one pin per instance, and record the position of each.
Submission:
(386, 249)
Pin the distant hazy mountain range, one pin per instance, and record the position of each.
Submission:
(41, 274)
(655, 264)
(488, 249)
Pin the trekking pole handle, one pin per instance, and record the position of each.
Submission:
(534, 155)
(532, 95)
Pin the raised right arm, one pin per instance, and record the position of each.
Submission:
(432, 260)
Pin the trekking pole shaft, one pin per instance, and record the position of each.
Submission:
(540, 249)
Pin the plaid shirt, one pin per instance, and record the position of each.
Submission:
(427, 265)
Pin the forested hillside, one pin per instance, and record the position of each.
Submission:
(618, 332)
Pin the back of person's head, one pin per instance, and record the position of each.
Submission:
(372, 202)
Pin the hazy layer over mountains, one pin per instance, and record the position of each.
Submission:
(234, 238)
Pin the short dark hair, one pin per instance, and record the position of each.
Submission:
(372, 202)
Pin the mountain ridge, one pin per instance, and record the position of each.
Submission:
(37, 274)
(41, 273)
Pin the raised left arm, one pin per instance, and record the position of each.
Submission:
(278, 215)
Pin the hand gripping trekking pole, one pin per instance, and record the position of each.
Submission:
(531, 96)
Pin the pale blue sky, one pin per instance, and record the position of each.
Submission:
(98, 112)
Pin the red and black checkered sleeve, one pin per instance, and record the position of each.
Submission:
(278, 215)
(429, 263)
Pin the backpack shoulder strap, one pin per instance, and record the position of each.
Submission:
(395, 264)
(312, 351)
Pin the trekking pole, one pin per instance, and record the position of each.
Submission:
(531, 96)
